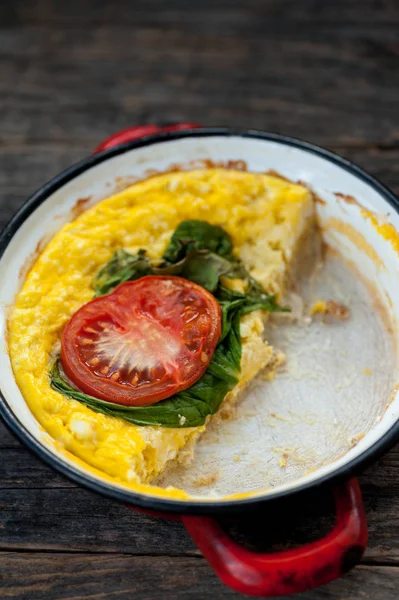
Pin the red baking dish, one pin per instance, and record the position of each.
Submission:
(248, 572)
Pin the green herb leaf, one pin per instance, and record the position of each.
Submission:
(201, 266)
(205, 268)
(229, 307)
(122, 267)
(197, 235)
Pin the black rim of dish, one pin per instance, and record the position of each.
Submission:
(148, 501)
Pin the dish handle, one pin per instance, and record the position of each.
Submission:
(289, 571)
(139, 131)
(278, 573)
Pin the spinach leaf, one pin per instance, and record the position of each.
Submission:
(185, 409)
(122, 267)
(252, 299)
(201, 266)
(205, 268)
(197, 251)
(229, 307)
(197, 235)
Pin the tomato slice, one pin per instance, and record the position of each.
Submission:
(144, 342)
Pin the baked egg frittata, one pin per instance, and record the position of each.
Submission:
(267, 218)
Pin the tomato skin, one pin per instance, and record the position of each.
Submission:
(144, 342)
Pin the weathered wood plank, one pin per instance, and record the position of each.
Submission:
(20, 469)
(298, 70)
(7, 440)
(70, 577)
(73, 73)
(34, 499)
(77, 520)
(259, 100)
(228, 14)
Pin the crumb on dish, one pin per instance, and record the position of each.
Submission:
(331, 308)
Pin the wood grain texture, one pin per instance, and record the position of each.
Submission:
(72, 73)
(40, 576)
(34, 499)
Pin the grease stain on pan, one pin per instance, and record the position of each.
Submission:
(384, 228)
(79, 207)
(383, 310)
(390, 324)
(380, 222)
(354, 236)
(392, 397)
(347, 199)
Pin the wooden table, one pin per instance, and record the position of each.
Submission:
(71, 73)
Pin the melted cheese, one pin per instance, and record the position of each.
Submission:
(266, 217)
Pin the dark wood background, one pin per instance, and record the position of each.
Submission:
(71, 73)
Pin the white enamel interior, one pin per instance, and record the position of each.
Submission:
(323, 176)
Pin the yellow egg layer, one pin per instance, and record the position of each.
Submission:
(266, 217)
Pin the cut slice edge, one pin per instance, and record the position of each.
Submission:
(258, 356)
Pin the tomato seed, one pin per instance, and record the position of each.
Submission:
(190, 316)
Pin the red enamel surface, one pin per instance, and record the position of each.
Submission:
(135, 133)
(291, 571)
